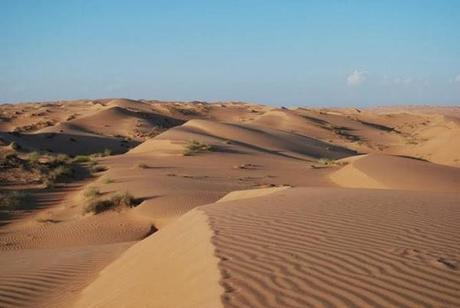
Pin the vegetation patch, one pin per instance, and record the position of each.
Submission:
(14, 200)
(81, 159)
(326, 162)
(106, 152)
(118, 201)
(195, 147)
(92, 192)
(46, 218)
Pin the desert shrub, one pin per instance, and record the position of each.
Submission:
(33, 157)
(326, 162)
(124, 199)
(15, 146)
(61, 158)
(97, 206)
(45, 218)
(106, 152)
(62, 172)
(14, 200)
(48, 183)
(92, 192)
(195, 146)
(4, 156)
(81, 159)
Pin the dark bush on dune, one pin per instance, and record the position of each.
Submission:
(14, 200)
(97, 206)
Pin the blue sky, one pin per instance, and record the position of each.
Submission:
(285, 52)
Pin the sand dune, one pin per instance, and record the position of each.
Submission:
(441, 145)
(303, 247)
(72, 144)
(297, 248)
(251, 193)
(124, 122)
(247, 137)
(91, 230)
(179, 270)
(271, 207)
(394, 172)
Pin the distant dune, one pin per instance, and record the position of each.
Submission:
(394, 172)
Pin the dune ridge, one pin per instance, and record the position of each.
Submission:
(181, 259)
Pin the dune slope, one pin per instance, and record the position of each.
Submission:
(174, 268)
(247, 138)
(305, 247)
(395, 172)
(296, 247)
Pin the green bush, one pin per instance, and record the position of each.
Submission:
(81, 159)
(92, 192)
(61, 159)
(326, 162)
(60, 173)
(14, 200)
(97, 206)
(106, 152)
(195, 146)
(33, 157)
(15, 146)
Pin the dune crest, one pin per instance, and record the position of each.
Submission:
(176, 267)
(251, 193)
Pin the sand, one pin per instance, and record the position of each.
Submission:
(284, 207)
(298, 247)
(394, 172)
(179, 271)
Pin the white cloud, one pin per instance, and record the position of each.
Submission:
(356, 78)
(457, 79)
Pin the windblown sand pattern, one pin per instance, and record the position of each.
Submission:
(334, 247)
(51, 277)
